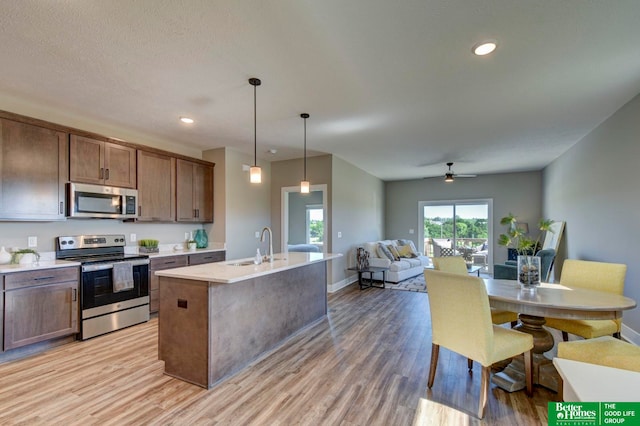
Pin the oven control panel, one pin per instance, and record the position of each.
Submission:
(90, 241)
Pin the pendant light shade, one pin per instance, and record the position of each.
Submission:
(255, 173)
(304, 185)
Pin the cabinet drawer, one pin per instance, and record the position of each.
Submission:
(167, 262)
(210, 257)
(40, 277)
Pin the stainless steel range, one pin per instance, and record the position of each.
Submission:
(114, 286)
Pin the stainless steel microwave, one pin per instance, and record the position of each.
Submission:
(98, 201)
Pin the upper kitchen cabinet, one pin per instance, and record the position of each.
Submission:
(156, 187)
(194, 191)
(101, 163)
(33, 172)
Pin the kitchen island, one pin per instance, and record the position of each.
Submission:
(216, 318)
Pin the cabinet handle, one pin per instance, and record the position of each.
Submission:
(106, 174)
(43, 278)
(139, 210)
(74, 298)
(170, 263)
(61, 207)
(101, 173)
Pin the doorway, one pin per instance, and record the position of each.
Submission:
(458, 228)
(304, 219)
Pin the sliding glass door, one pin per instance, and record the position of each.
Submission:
(458, 228)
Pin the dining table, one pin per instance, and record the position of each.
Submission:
(535, 303)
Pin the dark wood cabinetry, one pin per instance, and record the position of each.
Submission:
(194, 192)
(40, 305)
(208, 257)
(33, 172)
(101, 163)
(156, 187)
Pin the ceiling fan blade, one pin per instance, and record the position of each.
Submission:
(465, 176)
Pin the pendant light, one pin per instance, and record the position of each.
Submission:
(255, 173)
(304, 185)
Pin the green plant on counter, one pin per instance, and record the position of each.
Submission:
(17, 254)
(148, 243)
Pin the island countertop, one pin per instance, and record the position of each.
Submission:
(231, 271)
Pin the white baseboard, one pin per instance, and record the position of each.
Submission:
(332, 288)
(630, 335)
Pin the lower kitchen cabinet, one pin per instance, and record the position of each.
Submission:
(169, 262)
(40, 305)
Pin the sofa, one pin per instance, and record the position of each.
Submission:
(410, 264)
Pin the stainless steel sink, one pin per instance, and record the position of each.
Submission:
(245, 263)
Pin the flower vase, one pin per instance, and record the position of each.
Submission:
(529, 271)
(201, 238)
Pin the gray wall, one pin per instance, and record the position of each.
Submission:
(358, 201)
(594, 188)
(517, 193)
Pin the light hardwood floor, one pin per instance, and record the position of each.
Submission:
(365, 364)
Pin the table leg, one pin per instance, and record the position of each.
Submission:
(512, 378)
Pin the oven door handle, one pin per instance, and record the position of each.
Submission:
(103, 266)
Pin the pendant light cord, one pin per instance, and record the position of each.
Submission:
(255, 129)
(305, 148)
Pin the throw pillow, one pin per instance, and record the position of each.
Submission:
(406, 252)
(383, 252)
(394, 251)
(410, 244)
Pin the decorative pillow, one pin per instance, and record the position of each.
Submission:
(394, 251)
(406, 252)
(410, 244)
(383, 252)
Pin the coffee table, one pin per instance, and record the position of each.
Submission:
(367, 283)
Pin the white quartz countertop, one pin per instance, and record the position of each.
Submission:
(42, 264)
(231, 271)
(174, 252)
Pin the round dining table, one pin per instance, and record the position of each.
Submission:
(536, 303)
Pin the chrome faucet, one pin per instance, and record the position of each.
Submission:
(269, 257)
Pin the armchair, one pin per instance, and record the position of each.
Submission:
(509, 270)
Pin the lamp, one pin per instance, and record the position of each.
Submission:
(255, 173)
(304, 185)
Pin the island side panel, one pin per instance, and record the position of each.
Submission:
(183, 329)
(251, 317)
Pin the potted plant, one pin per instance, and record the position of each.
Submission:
(25, 256)
(191, 245)
(148, 246)
(526, 247)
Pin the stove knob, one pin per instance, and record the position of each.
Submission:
(63, 242)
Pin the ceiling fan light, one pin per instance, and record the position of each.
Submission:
(448, 177)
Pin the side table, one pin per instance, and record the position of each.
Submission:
(366, 283)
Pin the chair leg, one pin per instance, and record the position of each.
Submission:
(560, 396)
(484, 390)
(514, 323)
(528, 371)
(435, 349)
(565, 336)
(469, 364)
(617, 335)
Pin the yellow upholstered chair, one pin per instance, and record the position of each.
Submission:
(457, 265)
(593, 276)
(461, 322)
(603, 350)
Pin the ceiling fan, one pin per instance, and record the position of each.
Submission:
(450, 175)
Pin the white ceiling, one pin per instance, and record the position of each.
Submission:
(391, 86)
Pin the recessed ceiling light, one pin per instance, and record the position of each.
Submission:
(484, 48)
(186, 120)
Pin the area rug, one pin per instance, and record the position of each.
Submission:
(411, 284)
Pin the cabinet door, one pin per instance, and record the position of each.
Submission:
(203, 192)
(119, 165)
(185, 210)
(194, 192)
(33, 172)
(39, 313)
(156, 187)
(86, 160)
